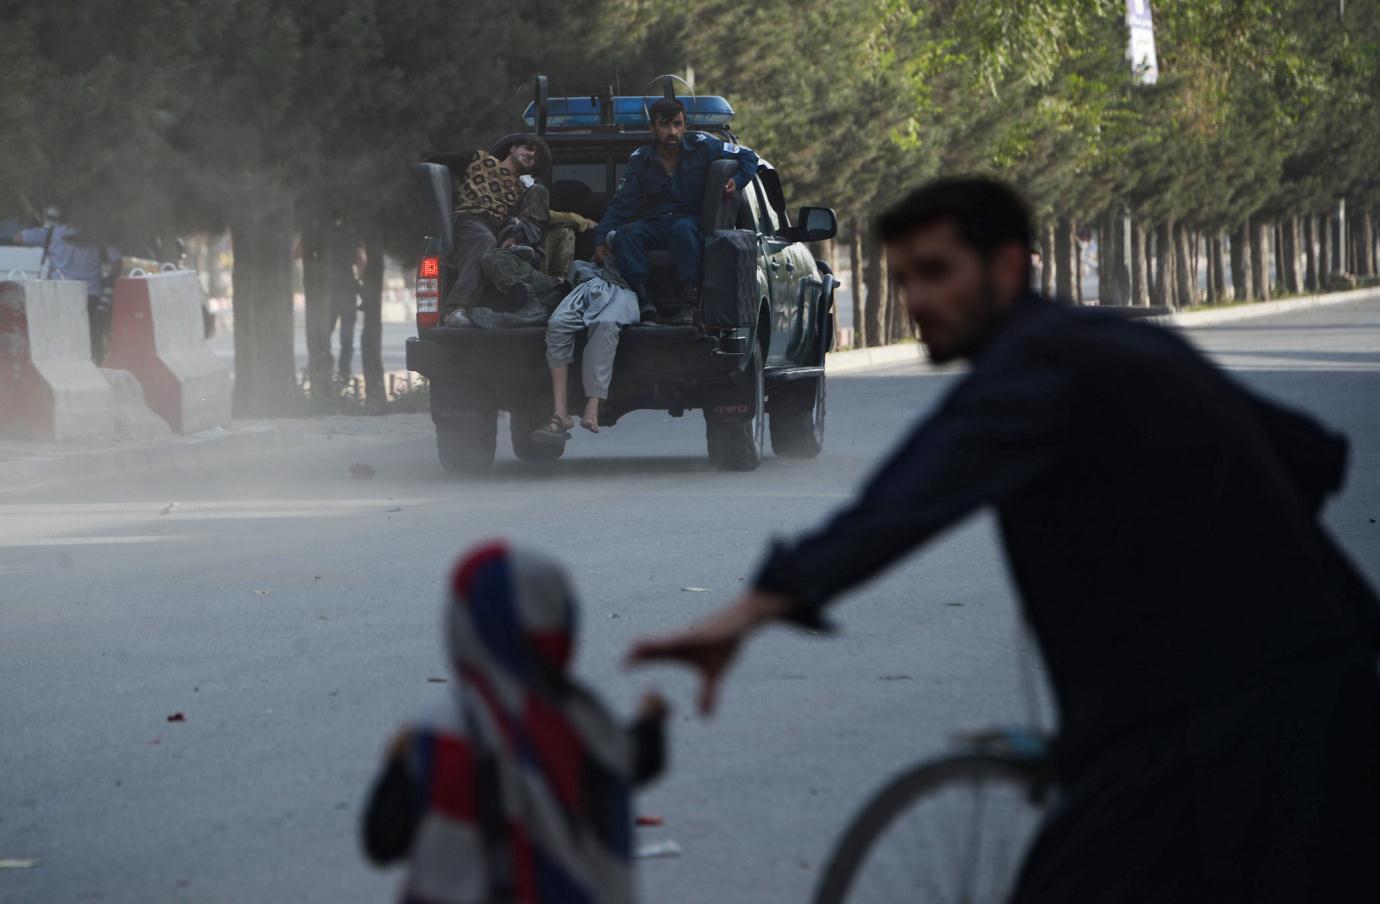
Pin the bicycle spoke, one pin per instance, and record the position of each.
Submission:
(954, 831)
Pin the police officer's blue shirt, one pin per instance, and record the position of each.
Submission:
(71, 258)
(649, 191)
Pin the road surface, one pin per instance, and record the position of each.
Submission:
(290, 612)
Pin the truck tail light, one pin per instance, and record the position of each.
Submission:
(428, 292)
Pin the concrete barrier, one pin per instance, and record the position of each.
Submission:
(49, 387)
(158, 335)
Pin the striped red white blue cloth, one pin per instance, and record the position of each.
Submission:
(524, 783)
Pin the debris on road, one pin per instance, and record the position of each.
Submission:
(169, 508)
(649, 820)
(18, 863)
(393, 510)
(261, 592)
(658, 849)
(361, 471)
(438, 680)
(177, 717)
(695, 590)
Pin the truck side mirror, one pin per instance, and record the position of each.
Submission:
(817, 224)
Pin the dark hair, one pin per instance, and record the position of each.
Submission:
(524, 140)
(666, 109)
(986, 213)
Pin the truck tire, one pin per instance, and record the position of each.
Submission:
(737, 445)
(521, 424)
(797, 419)
(466, 445)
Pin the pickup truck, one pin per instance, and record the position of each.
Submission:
(750, 371)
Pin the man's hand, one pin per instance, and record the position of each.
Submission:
(730, 189)
(710, 646)
(599, 252)
(508, 243)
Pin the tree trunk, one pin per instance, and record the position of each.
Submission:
(371, 332)
(1362, 228)
(1326, 256)
(1241, 262)
(1121, 253)
(316, 290)
(1260, 260)
(1140, 288)
(1065, 259)
(1077, 263)
(1104, 259)
(1339, 243)
(1217, 277)
(1049, 267)
(855, 282)
(1293, 242)
(1310, 253)
(1185, 293)
(1164, 265)
(1368, 240)
(875, 282)
(265, 370)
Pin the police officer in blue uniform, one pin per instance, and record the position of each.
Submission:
(657, 206)
(69, 255)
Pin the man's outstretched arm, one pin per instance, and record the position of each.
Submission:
(998, 431)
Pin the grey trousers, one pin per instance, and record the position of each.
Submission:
(473, 239)
(597, 368)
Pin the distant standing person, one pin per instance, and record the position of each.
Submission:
(344, 257)
(68, 255)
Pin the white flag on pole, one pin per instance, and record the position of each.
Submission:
(1140, 47)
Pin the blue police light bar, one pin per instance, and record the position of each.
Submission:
(583, 112)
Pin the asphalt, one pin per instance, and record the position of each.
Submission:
(289, 612)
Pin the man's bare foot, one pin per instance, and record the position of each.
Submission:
(590, 421)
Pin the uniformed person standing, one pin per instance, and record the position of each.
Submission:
(657, 206)
(68, 255)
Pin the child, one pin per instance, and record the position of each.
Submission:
(520, 790)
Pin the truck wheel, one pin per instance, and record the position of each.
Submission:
(797, 419)
(466, 445)
(737, 445)
(522, 424)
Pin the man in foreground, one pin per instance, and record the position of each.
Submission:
(657, 205)
(1211, 650)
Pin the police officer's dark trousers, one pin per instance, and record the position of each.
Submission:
(98, 313)
(678, 234)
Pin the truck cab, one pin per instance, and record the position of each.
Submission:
(752, 361)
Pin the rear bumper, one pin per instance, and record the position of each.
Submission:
(656, 367)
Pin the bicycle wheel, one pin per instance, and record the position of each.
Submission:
(954, 829)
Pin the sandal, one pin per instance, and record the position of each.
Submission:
(555, 433)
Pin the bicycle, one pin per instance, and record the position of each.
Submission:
(986, 797)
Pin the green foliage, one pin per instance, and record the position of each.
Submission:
(156, 117)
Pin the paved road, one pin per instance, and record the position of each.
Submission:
(291, 613)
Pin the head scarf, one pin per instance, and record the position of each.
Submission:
(525, 786)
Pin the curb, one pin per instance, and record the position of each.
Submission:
(905, 352)
(1209, 317)
(877, 356)
(54, 464)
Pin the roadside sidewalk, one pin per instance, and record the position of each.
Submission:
(878, 356)
(27, 465)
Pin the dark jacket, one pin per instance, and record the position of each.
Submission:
(1160, 521)
(648, 191)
